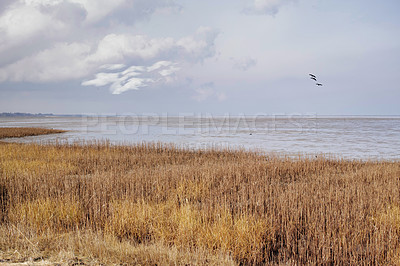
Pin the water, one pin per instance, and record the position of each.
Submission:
(345, 137)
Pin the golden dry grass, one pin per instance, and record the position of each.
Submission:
(18, 132)
(158, 204)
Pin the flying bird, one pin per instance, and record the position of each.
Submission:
(313, 77)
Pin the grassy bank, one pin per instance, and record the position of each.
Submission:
(154, 203)
(18, 132)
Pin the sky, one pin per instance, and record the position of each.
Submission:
(192, 57)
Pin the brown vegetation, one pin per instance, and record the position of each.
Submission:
(18, 132)
(155, 203)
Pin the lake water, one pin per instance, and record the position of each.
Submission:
(347, 137)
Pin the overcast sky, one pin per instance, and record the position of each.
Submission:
(190, 56)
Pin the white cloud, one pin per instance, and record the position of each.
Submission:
(206, 91)
(200, 45)
(59, 63)
(131, 84)
(98, 9)
(159, 65)
(112, 66)
(40, 24)
(135, 77)
(243, 64)
(21, 23)
(102, 79)
(269, 7)
(66, 61)
(41, 2)
(116, 47)
(134, 70)
(60, 40)
(78, 60)
(195, 48)
(166, 72)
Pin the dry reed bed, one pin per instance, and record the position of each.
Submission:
(18, 132)
(251, 208)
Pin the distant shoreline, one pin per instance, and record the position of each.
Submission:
(36, 115)
(197, 114)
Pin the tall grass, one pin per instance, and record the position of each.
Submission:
(218, 204)
(17, 132)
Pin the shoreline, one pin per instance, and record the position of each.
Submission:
(18, 135)
(365, 139)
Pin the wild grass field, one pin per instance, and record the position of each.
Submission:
(97, 203)
(18, 132)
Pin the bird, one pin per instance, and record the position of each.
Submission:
(313, 77)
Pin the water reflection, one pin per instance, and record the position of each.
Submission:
(348, 137)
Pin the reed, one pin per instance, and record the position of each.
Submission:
(18, 132)
(157, 203)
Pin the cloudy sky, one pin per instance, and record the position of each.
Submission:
(185, 56)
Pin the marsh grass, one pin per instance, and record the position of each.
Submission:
(18, 132)
(155, 203)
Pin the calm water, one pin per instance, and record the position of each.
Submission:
(348, 137)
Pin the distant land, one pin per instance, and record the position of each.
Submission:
(20, 114)
(29, 115)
